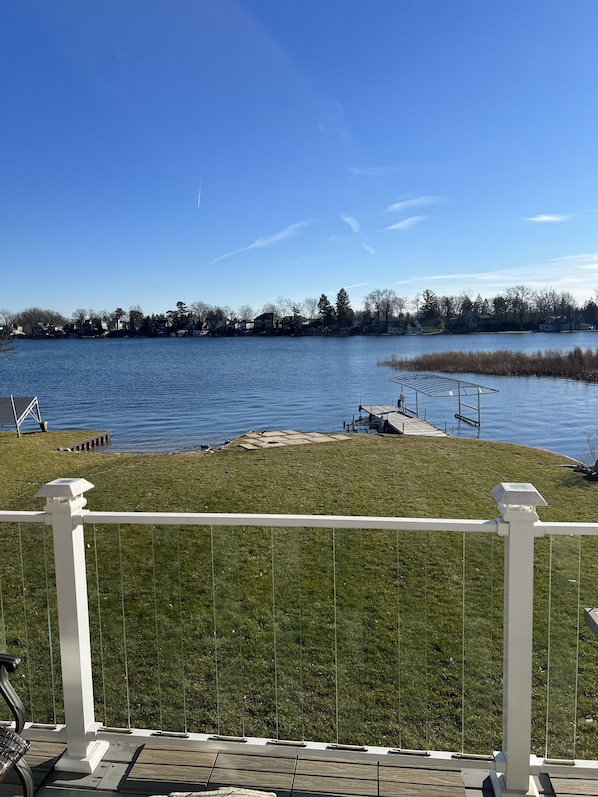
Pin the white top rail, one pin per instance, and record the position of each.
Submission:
(305, 521)
(6, 516)
(567, 529)
(294, 521)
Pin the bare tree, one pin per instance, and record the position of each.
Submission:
(135, 316)
(31, 316)
(200, 310)
(7, 341)
(567, 305)
(545, 302)
(519, 300)
(310, 308)
(400, 305)
(285, 306)
(383, 303)
(245, 312)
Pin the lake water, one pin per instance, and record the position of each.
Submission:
(170, 394)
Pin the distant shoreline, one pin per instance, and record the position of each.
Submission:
(286, 335)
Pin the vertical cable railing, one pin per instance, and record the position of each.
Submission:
(481, 615)
(50, 591)
(353, 636)
(25, 624)
(263, 624)
(184, 674)
(94, 579)
(28, 617)
(229, 631)
(288, 619)
(558, 632)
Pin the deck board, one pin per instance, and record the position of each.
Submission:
(574, 787)
(41, 757)
(400, 423)
(159, 771)
(173, 770)
(432, 777)
(151, 770)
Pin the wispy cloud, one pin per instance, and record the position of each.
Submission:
(547, 218)
(492, 282)
(418, 201)
(406, 223)
(589, 260)
(369, 249)
(267, 240)
(353, 223)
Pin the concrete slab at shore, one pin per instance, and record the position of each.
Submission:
(287, 437)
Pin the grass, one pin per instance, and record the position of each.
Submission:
(369, 475)
(386, 637)
(575, 364)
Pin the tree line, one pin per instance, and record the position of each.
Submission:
(381, 311)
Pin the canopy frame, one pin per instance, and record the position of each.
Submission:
(438, 386)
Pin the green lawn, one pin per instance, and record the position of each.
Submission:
(379, 637)
(369, 475)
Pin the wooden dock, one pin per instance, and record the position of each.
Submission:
(395, 422)
(95, 441)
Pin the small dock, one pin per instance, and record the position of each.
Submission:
(391, 420)
(95, 441)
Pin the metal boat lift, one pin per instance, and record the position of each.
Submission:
(442, 387)
(14, 411)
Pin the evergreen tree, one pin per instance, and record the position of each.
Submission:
(344, 312)
(326, 311)
(429, 310)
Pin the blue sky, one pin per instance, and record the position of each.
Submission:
(236, 151)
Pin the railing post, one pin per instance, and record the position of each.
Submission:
(516, 503)
(64, 504)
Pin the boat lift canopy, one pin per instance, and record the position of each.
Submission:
(443, 387)
(14, 410)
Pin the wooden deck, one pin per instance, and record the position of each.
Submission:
(288, 774)
(148, 770)
(398, 423)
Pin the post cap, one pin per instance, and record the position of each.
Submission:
(517, 494)
(64, 488)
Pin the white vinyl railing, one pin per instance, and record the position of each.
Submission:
(343, 615)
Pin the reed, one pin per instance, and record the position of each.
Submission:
(574, 364)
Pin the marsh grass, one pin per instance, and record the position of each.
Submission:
(574, 364)
(359, 637)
